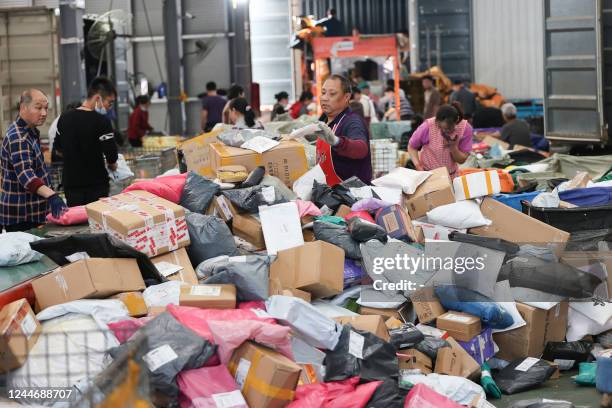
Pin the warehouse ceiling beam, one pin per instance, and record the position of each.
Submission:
(173, 30)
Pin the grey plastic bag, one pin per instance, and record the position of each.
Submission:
(210, 237)
(198, 193)
(284, 191)
(169, 349)
(249, 273)
(249, 199)
(339, 236)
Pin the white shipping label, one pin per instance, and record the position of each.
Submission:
(457, 318)
(159, 356)
(268, 194)
(242, 371)
(224, 207)
(203, 290)
(564, 364)
(77, 256)
(28, 325)
(356, 341)
(229, 399)
(527, 364)
(167, 269)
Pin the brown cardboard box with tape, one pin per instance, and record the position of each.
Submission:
(437, 190)
(461, 326)
(142, 220)
(266, 378)
(176, 266)
(19, 331)
(208, 296)
(287, 161)
(196, 154)
(370, 323)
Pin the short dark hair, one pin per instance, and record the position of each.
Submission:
(390, 89)
(211, 86)
(451, 114)
(458, 82)
(306, 95)
(102, 86)
(234, 91)
(332, 11)
(281, 95)
(431, 78)
(142, 100)
(345, 84)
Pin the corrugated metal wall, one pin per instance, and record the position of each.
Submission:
(370, 16)
(508, 46)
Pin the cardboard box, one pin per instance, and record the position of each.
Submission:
(19, 331)
(156, 311)
(454, 360)
(127, 216)
(557, 374)
(315, 267)
(396, 221)
(168, 265)
(386, 313)
(248, 227)
(134, 302)
(343, 211)
(511, 225)
(287, 161)
(481, 347)
(276, 288)
(582, 259)
(208, 296)
(437, 190)
(461, 326)
(266, 378)
(426, 305)
(222, 207)
(529, 341)
(479, 402)
(492, 141)
(196, 153)
(393, 323)
(411, 359)
(96, 278)
(476, 184)
(370, 323)
(580, 180)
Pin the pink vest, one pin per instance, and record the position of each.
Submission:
(437, 153)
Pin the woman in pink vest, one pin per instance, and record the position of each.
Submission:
(443, 141)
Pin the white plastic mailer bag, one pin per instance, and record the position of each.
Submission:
(459, 389)
(123, 171)
(580, 325)
(405, 179)
(15, 248)
(103, 311)
(311, 325)
(462, 214)
(164, 294)
(303, 186)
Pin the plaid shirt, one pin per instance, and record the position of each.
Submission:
(21, 161)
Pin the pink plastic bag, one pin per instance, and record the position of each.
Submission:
(370, 204)
(336, 394)
(197, 319)
(229, 335)
(252, 304)
(74, 216)
(125, 329)
(209, 387)
(167, 187)
(307, 208)
(364, 215)
(421, 396)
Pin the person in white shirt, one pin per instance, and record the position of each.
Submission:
(369, 110)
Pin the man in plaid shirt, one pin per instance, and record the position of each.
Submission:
(25, 195)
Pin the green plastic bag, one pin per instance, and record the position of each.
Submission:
(332, 219)
(488, 383)
(586, 375)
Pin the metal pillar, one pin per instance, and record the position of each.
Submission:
(72, 65)
(240, 45)
(173, 30)
(413, 30)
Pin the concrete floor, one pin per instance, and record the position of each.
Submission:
(563, 388)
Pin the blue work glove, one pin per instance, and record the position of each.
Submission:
(58, 206)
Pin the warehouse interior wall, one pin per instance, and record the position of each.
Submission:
(508, 46)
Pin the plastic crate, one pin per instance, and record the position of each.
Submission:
(514, 200)
(145, 166)
(384, 154)
(572, 219)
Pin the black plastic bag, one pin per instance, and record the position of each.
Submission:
(406, 336)
(363, 231)
(198, 193)
(249, 199)
(378, 359)
(550, 277)
(502, 245)
(388, 395)
(169, 349)
(210, 236)
(323, 196)
(589, 240)
(578, 351)
(542, 403)
(353, 182)
(345, 195)
(254, 177)
(97, 246)
(523, 374)
(430, 346)
(339, 236)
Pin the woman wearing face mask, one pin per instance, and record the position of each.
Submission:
(442, 141)
(242, 116)
(138, 124)
(280, 107)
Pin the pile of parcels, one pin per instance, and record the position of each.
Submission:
(265, 287)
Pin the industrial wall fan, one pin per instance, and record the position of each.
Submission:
(102, 34)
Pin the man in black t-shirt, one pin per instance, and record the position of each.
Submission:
(86, 141)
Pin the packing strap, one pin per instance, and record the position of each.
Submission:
(252, 382)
